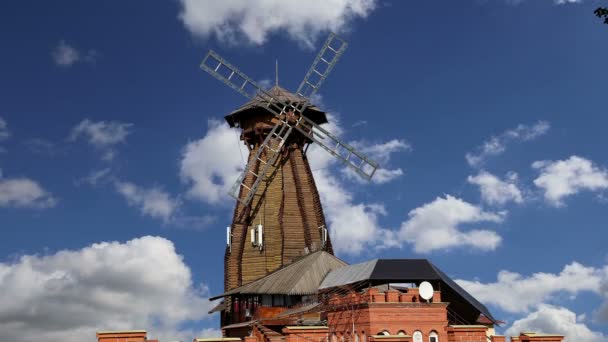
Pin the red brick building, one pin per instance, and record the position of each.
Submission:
(319, 298)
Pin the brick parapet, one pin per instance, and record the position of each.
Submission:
(122, 336)
(373, 295)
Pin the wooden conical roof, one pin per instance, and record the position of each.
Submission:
(258, 104)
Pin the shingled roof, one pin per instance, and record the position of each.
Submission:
(259, 104)
(301, 277)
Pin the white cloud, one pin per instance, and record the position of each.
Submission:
(498, 144)
(381, 154)
(436, 225)
(212, 164)
(153, 202)
(514, 292)
(496, 191)
(562, 178)
(69, 295)
(549, 319)
(353, 225)
(103, 135)
(236, 20)
(24, 193)
(602, 312)
(4, 132)
(66, 55)
(95, 177)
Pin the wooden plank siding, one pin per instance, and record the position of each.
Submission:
(288, 206)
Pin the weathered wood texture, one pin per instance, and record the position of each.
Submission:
(288, 206)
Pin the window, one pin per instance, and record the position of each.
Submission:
(401, 333)
(433, 337)
(385, 333)
(417, 337)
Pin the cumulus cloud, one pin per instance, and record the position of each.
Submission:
(242, 20)
(65, 55)
(498, 144)
(562, 178)
(69, 295)
(437, 225)
(602, 312)
(353, 224)
(153, 202)
(381, 154)
(496, 191)
(549, 319)
(24, 193)
(514, 292)
(212, 164)
(103, 135)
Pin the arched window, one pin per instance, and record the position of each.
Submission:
(417, 336)
(401, 333)
(384, 333)
(433, 337)
(356, 337)
(363, 337)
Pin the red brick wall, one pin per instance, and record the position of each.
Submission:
(374, 312)
(305, 335)
(467, 334)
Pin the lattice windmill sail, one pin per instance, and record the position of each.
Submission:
(278, 213)
(227, 73)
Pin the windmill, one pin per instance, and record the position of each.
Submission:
(278, 212)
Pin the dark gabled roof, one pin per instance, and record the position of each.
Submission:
(302, 277)
(258, 104)
(379, 271)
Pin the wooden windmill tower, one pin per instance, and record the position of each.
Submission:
(278, 212)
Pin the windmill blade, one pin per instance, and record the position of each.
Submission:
(347, 154)
(327, 58)
(219, 68)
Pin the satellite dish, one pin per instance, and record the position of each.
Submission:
(426, 290)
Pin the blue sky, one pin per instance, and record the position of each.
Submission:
(115, 159)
